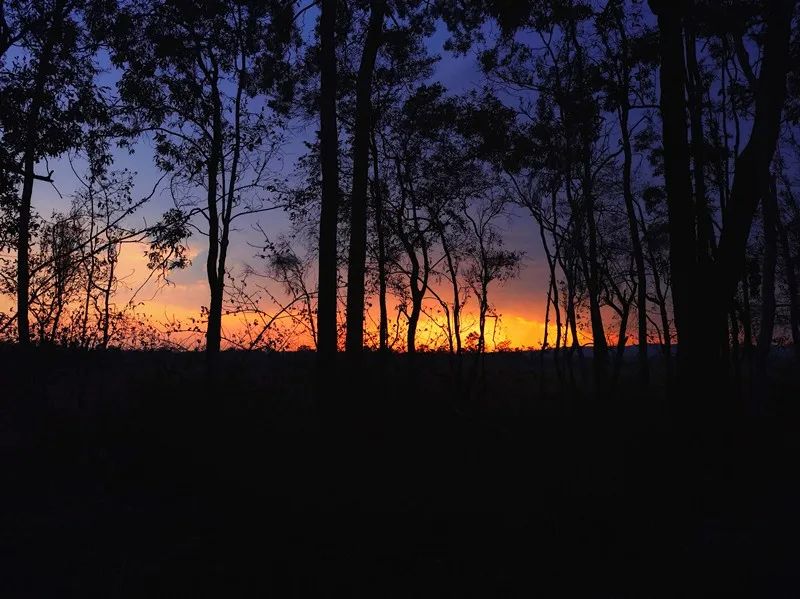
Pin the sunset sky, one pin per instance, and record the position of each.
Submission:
(520, 302)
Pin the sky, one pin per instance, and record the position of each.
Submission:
(519, 302)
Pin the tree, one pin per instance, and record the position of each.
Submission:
(329, 159)
(209, 81)
(629, 83)
(46, 93)
(489, 260)
(703, 295)
(357, 254)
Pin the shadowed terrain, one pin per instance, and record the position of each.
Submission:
(133, 474)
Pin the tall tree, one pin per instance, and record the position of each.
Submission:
(677, 180)
(751, 176)
(703, 296)
(46, 93)
(629, 84)
(329, 159)
(769, 222)
(357, 254)
(209, 81)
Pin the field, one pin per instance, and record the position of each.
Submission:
(139, 474)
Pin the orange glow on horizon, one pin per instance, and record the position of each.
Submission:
(176, 308)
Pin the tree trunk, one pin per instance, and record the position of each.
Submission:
(791, 285)
(599, 343)
(329, 159)
(484, 309)
(214, 325)
(28, 177)
(627, 188)
(357, 255)
(661, 300)
(383, 323)
(214, 328)
(769, 205)
(747, 321)
(752, 178)
(704, 227)
(622, 337)
(452, 270)
(677, 179)
(636, 245)
(413, 319)
(228, 197)
(112, 261)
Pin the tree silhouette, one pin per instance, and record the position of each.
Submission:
(357, 254)
(192, 75)
(46, 94)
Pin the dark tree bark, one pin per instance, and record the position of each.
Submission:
(420, 272)
(357, 255)
(704, 227)
(599, 343)
(747, 321)
(752, 178)
(661, 299)
(43, 68)
(623, 311)
(677, 179)
(452, 271)
(769, 212)
(791, 285)
(383, 323)
(329, 158)
(636, 245)
(214, 325)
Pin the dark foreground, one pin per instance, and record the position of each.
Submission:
(134, 475)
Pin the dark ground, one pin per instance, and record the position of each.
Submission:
(134, 475)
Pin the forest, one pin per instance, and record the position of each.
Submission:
(393, 218)
(352, 194)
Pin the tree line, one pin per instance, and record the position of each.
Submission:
(649, 147)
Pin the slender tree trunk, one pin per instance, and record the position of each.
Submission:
(769, 205)
(704, 227)
(357, 255)
(545, 335)
(572, 316)
(747, 321)
(383, 324)
(28, 176)
(413, 317)
(452, 270)
(228, 197)
(483, 310)
(627, 187)
(713, 337)
(107, 297)
(752, 178)
(62, 267)
(622, 337)
(90, 274)
(636, 245)
(214, 325)
(791, 285)
(600, 345)
(214, 331)
(418, 292)
(329, 158)
(672, 79)
(660, 299)
(735, 351)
